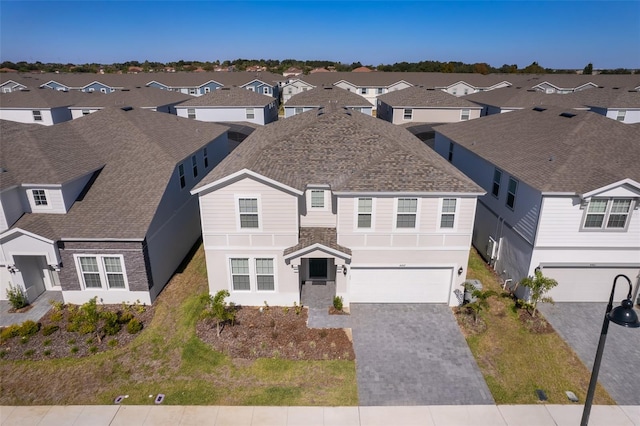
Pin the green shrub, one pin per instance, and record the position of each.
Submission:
(24, 340)
(17, 297)
(125, 317)
(93, 349)
(74, 349)
(111, 325)
(47, 342)
(89, 341)
(9, 332)
(56, 316)
(112, 343)
(337, 303)
(86, 328)
(49, 329)
(134, 326)
(3, 353)
(29, 352)
(56, 305)
(71, 341)
(29, 328)
(47, 352)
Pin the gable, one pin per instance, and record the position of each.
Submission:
(626, 188)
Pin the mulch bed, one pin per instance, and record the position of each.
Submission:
(467, 323)
(537, 324)
(60, 343)
(276, 332)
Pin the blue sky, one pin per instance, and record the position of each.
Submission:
(556, 34)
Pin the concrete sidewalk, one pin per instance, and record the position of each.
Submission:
(434, 415)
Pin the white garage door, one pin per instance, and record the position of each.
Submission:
(399, 285)
(589, 284)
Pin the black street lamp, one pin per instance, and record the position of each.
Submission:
(623, 315)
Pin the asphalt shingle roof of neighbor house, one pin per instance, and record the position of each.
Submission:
(142, 97)
(552, 149)
(229, 97)
(518, 97)
(609, 98)
(348, 150)
(419, 97)
(140, 150)
(328, 237)
(39, 98)
(321, 96)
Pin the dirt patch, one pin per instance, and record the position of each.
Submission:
(275, 332)
(20, 310)
(537, 324)
(334, 311)
(467, 323)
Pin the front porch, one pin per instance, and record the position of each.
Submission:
(317, 294)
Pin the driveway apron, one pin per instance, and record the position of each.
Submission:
(413, 354)
(579, 324)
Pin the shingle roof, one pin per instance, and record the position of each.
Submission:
(552, 152)
(39, 98)
(321, 96)
(139, 150)
(349, 151)
(419, 97)
(518, 97)
(328, 237)
(142, 97)
(609, 98)
(226, 97)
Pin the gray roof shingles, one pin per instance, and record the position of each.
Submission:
(321, 96)
(229, 97)
(419, 97)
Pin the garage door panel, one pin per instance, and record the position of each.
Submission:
(588, 284)
(400, 285)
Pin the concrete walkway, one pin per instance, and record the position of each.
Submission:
(579, 324)
(441, 415)
(40, 307)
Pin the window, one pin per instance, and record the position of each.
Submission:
(379, 90)
(466, 91)
(464, 115)
(37, 115)
(250, 114)
(39, 197)
(621, 115)
(194, 165)
(359, 109)
(298, 110)
(363, 90)
(605, 213)
(191, 113)
(192, 91)
(450, 152)
(85, 112)
(317, 198)
(407, 210)
(102, 272)
(207, 90)
(251, 88)
(265, 90)
(365, 212)
(408, 114)
(448, 216)
(497, 177)
(248, 209)
(181, 173)
(205, 156)
(103, 90)
(240, 274)
(289, 90)
(511, 192)
(454, 92)
(264, 275)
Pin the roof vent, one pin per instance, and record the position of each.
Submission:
(615, 88)
(225, 88)
(126, 108)
(539, 109)
(138, 87)
(25, 90)
(567, 115)
(125, 90)
(327, 88)
(551, 158)
(531, 90)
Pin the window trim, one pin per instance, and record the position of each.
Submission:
(607, 214)
(495, 186)
(512, 194)
(256, 197)
(37, 115)
(252, 266)
(358, 212)
(182, 180)
(273, 274)
(407, 114)
(396, 205)
(194, 166)
(324, 199)
(463, 115)
(621, 115)
(250, 113)
(32, 199)
(231, 274)
(363, 91)
(102, 272)
(191, 113)
(442, 213)
(205, 157)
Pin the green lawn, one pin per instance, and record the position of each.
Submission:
(515, 362)
(167, 358)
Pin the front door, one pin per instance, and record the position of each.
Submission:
(318, 269)
(32, 270)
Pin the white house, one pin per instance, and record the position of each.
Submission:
(107, 212)
(619, 104)
(40, 106)
(293, 87)
(563, 195)
(323, 96)
(336, 198)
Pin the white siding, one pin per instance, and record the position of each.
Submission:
(26, 116)
(227, 114)
(631, 115)
(434, 115)
(77, 113)
(55, 200)
(12, 203)
(71, 190)
(319, 217)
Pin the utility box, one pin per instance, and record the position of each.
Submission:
(469, 287)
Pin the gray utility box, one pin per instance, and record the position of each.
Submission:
(469, 287)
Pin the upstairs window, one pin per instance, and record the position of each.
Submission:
(250, 114)
(408, 114)
(205, 156)
(448, 215)
(621, 115)
(464, 115)
(194, 165)
(39, 197)
(379, 90)
(608, 213)
(407, 212)
(191, 113)
(450, 157)
(363, 90)
(85, 112)
(37, 115)
(317, 199)
(511, 193)
(248, 210)
(365, 212)
(298, 110)
(192, 91)
(265, 90)
(181, 174)
(497, 177)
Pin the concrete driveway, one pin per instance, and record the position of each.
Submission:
(413, 354)
(579, 324)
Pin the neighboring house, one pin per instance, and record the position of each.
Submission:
(11, 86)
(563, 195)
(618, 104)
(41, 106)
(340, 199)
(548, 87)
(369, 90)
(262, 87)
(137, 97)
(514, 98)
(420, 105)
(230, 105)
(292, 72)
(107, 211)
(324, 96)
(198, 84)
(293, 87)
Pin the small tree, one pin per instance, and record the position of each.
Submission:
(588, 70)
(481, 302)
(17, 297)
(218, 309)
(538, 286)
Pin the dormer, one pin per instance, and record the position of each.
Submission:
(318, 208)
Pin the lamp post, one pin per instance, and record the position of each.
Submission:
(623, 315)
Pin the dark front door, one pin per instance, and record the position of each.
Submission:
(318, 268)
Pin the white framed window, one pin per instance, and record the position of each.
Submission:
(454, 92)
(105, 272)
(251, 88)
(194, 166)
(408, 114)
(265, 90)
(37, 115)
(289, 90)
(380, 90)
(86, 112)
(265, 277)
(205, 156)
(464, 114)
(363, 90)
(191, 113)
(298, 110)
(511, 193)
(207, 89)
(359, 109)
(103, 90)
(248, 213)
(608, 213)
(497, 177)
(317, 199)
(406, 212)
(181, 175)
(466, 91)
(448, 213)
(240, 277)
(621, 115)
(250, 114)
(91, 89)
(192, 91)
(39, 197)
(365, 213)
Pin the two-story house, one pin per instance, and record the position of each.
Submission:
(40, 106)
(322, 96)
(337, 198)
(100, 207)
(563, 195)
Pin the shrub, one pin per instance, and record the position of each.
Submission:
(337, 303)
(24, 340)
(47, 352)
(46, 342)
(134, 326)
(56, 316)
(71, 341)
(29, 352)
(9, 332)
(29, 328)
(49, 329)
(74, 349)
(112, 343)
(93, 349)
(56, 305)
(17, 297)
(111, 325)
(86, 328)
(125, 317)
(3, 353)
